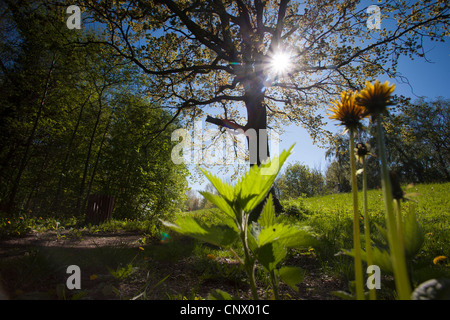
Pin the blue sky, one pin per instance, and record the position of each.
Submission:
(429, 79)
(426, 79)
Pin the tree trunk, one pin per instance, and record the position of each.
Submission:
(94, 170)
(258, 142)
(256, 133)
(67, 156)
(88, 157)
(23, 163)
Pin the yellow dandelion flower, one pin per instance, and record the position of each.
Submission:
(439, 259)
(375, 97)
(347, 111)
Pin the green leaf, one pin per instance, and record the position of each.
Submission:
(275, 232)
(302, 237)
(271, 254)
(267, 217)
(253, 187)
(218, 294)
(288, 235)
(252, 236)
(121, 273)
(413, 234)
(220, 203)
(383, 232)
(225, 190)
(344, 295)
(220, 235)
(291, 276)
(380, 258)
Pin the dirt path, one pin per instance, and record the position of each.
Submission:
(36, 262)
(65, 239)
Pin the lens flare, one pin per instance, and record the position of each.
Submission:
(280, 62)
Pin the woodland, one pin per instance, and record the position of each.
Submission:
(91, 92)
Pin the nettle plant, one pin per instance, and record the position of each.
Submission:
(263, 242)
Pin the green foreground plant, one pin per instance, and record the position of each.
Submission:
(350, 110)
(265, 241)
(361, 153)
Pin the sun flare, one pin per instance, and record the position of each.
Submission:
(280, 62)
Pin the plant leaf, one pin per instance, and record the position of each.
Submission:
(253, 187)
(302, 237)
(413, 234)
(291, 276)
(218, 294)
(288, 235)
(225, 190)
(380, 258)
(267, 217)
(344, 295)
(271, 254)
(220, 203)
(223, 235)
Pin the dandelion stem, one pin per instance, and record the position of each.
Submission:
(372, 292)
(356, 237)
(397, 254)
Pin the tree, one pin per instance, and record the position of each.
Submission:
(221, 53)
(299, 180)
(73, 123)
(220, 58)
(418, 135)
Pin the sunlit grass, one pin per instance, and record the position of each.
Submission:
(331, 216)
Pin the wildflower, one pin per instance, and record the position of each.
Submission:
(347, 111)
(439, 259)
(141, 248)
(210, 256)
(361, 151)
(375, 98)
(350, 115)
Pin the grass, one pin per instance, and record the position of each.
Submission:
(193, 267)
(331, 217)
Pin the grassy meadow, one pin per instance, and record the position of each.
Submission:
(331, 217)
(162, 265)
